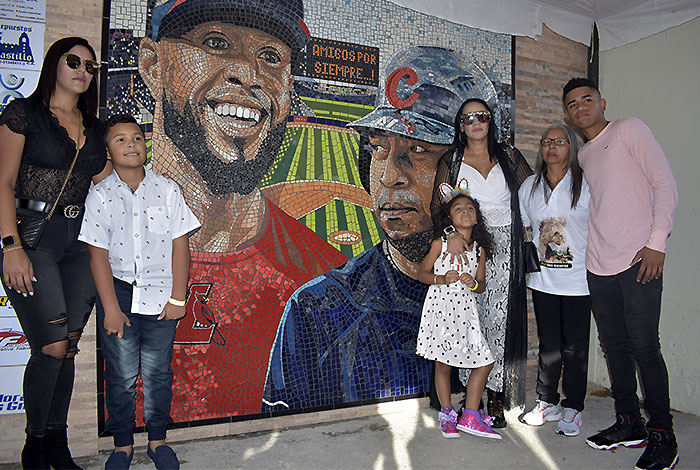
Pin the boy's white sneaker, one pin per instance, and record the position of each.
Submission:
(541, 413)
(570, 422)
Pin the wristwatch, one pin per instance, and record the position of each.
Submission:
(9, 241)
(451, 230)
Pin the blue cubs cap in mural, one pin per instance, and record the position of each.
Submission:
(283, 19)
(420, 92)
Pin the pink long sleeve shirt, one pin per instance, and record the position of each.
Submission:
(634, 195)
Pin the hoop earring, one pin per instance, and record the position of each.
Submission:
(462, 138)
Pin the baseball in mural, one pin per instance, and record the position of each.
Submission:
(298, 150)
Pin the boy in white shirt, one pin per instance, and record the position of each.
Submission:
(137, 227)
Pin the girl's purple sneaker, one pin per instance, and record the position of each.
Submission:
(474, 422)
(448, 423)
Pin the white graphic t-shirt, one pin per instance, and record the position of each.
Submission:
(559, 233)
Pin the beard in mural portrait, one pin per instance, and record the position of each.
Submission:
(350, 335)
(220, 74)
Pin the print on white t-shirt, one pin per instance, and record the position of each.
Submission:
(554, 251)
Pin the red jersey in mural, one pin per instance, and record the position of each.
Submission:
(234, 305)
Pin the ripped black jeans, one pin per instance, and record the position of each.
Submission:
(64, 295)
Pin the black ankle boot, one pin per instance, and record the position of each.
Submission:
(56, 450)
(33, 456)
(494, 407)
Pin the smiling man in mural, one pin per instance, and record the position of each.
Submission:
(350, 335)
(220, 74)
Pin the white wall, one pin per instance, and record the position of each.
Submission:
(657, 80)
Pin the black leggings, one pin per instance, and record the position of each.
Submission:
(563, 328)
(64, 295)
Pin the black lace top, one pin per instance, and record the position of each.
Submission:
(49, 151)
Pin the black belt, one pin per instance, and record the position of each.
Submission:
(69, 211)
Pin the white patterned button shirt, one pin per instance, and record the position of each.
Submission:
(137, 228)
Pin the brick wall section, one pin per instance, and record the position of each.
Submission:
(542, 67)
(74, 18)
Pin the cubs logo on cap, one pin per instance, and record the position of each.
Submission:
(421, 90)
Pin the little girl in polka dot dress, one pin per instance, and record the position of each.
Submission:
(450, 332)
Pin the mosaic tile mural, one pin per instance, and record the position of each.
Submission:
(305, 137)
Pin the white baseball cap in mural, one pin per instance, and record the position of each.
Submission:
(421, 90)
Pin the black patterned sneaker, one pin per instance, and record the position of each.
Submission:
(494, 407)
(661, 452)
(625, 432)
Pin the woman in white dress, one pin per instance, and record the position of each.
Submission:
(494, 172)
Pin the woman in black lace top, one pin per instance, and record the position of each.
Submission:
(50, 287)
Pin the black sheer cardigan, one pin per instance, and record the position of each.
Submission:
(515, 169)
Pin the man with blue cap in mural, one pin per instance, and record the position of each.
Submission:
(350, 335)
(220, 74)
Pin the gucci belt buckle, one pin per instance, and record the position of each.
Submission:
(71, 211)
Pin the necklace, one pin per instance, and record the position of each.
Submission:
(67, 121)
(69, 116)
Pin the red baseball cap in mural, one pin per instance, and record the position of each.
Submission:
(421, 90)
(283, 19)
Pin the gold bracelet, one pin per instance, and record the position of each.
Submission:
(435, 279)
(177, 303)
(476, 285)
(11, 248)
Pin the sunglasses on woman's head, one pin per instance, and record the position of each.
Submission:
(468, 118)
(73, 61)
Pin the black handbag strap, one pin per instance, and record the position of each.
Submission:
(70, 170)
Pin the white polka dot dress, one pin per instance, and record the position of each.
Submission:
(450, 331)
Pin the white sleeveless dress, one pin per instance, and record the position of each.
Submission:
(494, 199)
(450, 331)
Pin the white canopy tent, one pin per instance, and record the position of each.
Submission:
(619, 21)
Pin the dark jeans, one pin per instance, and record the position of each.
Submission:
(627, 313)
(64, 295)
(563, 327)
(147, 344)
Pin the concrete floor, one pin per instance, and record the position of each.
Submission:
(407, 437)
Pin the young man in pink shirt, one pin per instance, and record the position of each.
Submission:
(633, 201)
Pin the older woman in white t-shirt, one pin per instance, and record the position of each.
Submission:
(554, 204)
